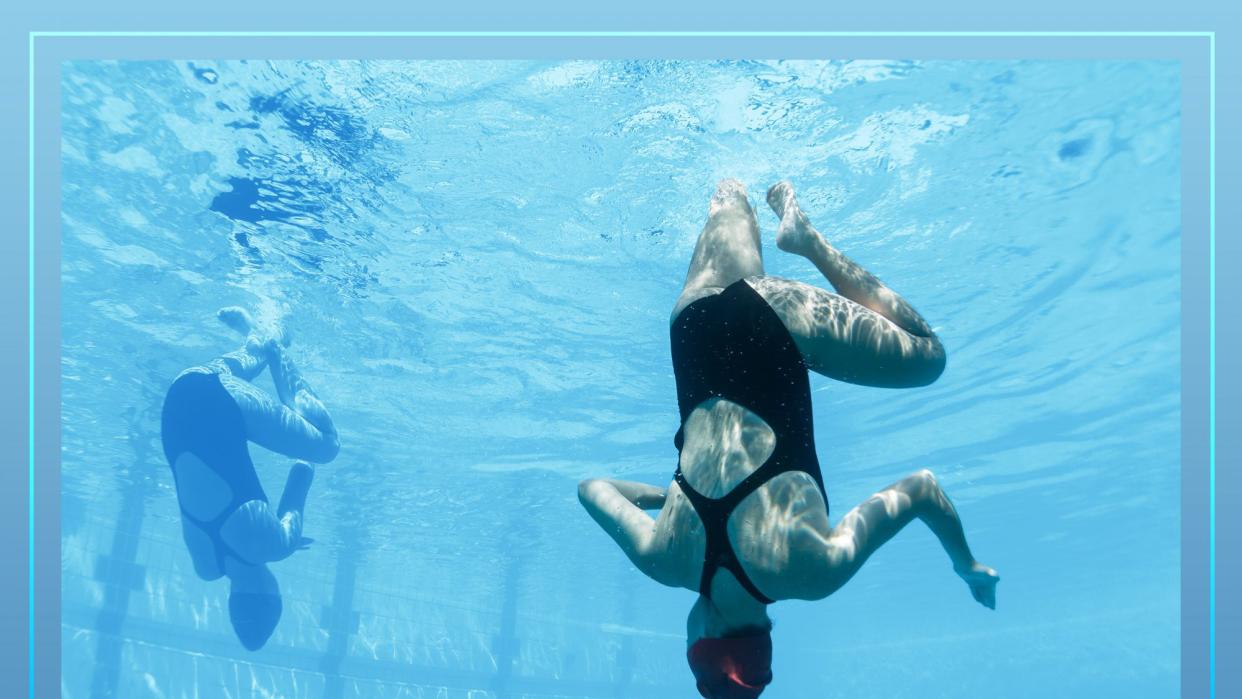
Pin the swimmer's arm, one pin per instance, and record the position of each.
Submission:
(641, 495)
(617, 506)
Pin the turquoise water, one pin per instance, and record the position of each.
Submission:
(477, 261)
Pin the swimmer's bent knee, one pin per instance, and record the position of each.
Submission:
(937, 364)
(922, 485)
(930, 369)
(324, 450)
(332, 447)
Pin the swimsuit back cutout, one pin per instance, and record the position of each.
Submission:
(201, 417)
(733, 346)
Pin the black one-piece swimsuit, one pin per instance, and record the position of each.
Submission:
(201, 417)
(733, 346)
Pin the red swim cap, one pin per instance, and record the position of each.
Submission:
(732, 668)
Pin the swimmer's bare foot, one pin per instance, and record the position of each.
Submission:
(236, 318)
(982, 581)
(729, 192)
(795, 234)
(240, 320)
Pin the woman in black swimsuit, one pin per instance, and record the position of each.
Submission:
(745, 520)
(211, 414)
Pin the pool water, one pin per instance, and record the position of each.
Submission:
(477, 261)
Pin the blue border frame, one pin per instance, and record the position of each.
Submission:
(30, 330)
(1210, 35)
(623, 34)
(1212, 365)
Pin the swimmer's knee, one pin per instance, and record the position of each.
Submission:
(922, 484)
(928, 369)
(937, 361)
(318, 448)
(923, 477)
(331, 447)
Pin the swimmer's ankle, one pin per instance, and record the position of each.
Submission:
(795, 234)
(778, 195)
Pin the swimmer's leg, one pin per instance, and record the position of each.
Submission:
(868, 335)
(301, 427)
(277, 427)
(259, 535)
(240, 320)
(297, 485)
(249, 361)
(297, 395)
(867, 527)
(728, 247)
(246, 362)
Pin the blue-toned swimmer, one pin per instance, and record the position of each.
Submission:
(745, 520)
(210, 413)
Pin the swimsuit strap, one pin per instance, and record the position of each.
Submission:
(714, 513)
(212, 530)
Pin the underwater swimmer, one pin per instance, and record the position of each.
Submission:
(745, 520)
(210, 413)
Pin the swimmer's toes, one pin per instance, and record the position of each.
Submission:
(985, 595)
(982, 581)
(236, 318)
(730, 196)
(730, 187)
(986, 592)
(778, 195)
(794, 234)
